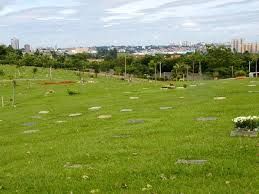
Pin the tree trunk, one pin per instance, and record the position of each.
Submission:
(160, 67)
(193, 70)
(155, 74)
(200, 70)
(256, 67)
(2, 99)
(13, 102)
(125, 73)
(187, 72)
(50, 73)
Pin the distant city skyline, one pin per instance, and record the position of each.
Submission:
(69, 23)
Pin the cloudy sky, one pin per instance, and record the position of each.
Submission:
(128, 22)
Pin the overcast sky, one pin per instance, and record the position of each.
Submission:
(127, 22)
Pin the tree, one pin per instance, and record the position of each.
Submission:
(153, 68)
(34, 71)
(159, 59)
(179, 70)
(219, 59)
(255, 59)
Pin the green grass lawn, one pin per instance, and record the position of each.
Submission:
(89, 155)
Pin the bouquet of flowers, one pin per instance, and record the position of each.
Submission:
(250, 123)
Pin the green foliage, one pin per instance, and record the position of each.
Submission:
(71, 92)
(240, 73)
(216, 59)
(104, 53)
(2, 73)
(34, 70)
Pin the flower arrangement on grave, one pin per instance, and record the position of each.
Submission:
(250, 123)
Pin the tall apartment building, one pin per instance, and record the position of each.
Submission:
(240, 46)
(27, 48)
(15, 43)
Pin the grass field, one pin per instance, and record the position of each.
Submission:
(90, 155)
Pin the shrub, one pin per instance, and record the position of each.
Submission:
(2, 73)
(185, 85)
(215, 74)
(240, 73)
(249, 123)
(72, 92)
(34, 70)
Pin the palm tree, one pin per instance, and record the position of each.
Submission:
(197, 57)
(152, 65)
(187, 67)
(255, 59)
(178, 69)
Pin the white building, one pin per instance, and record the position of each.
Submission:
(15, 43)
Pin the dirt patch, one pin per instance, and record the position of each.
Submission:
(240, 78)
(59, 83)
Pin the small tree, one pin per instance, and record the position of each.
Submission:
(14, 87)
(96, 69)
(34, 71)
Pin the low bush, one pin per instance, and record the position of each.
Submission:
(2, 73)
(72, 92)
(240, 73)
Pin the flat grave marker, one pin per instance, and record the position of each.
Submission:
(73, 166)
(44, 112)
(31, 131)
(29, 124)
(135, 121)
(195, 162)
(207, 119)
(61, 122)
(220, 98)
(166, 107)
(104, 117)
(240, 133)
(75, 115)
(126, 110)
(121, 136)
(134, 98)
(95, 108)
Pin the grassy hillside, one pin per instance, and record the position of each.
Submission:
(85, 154)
